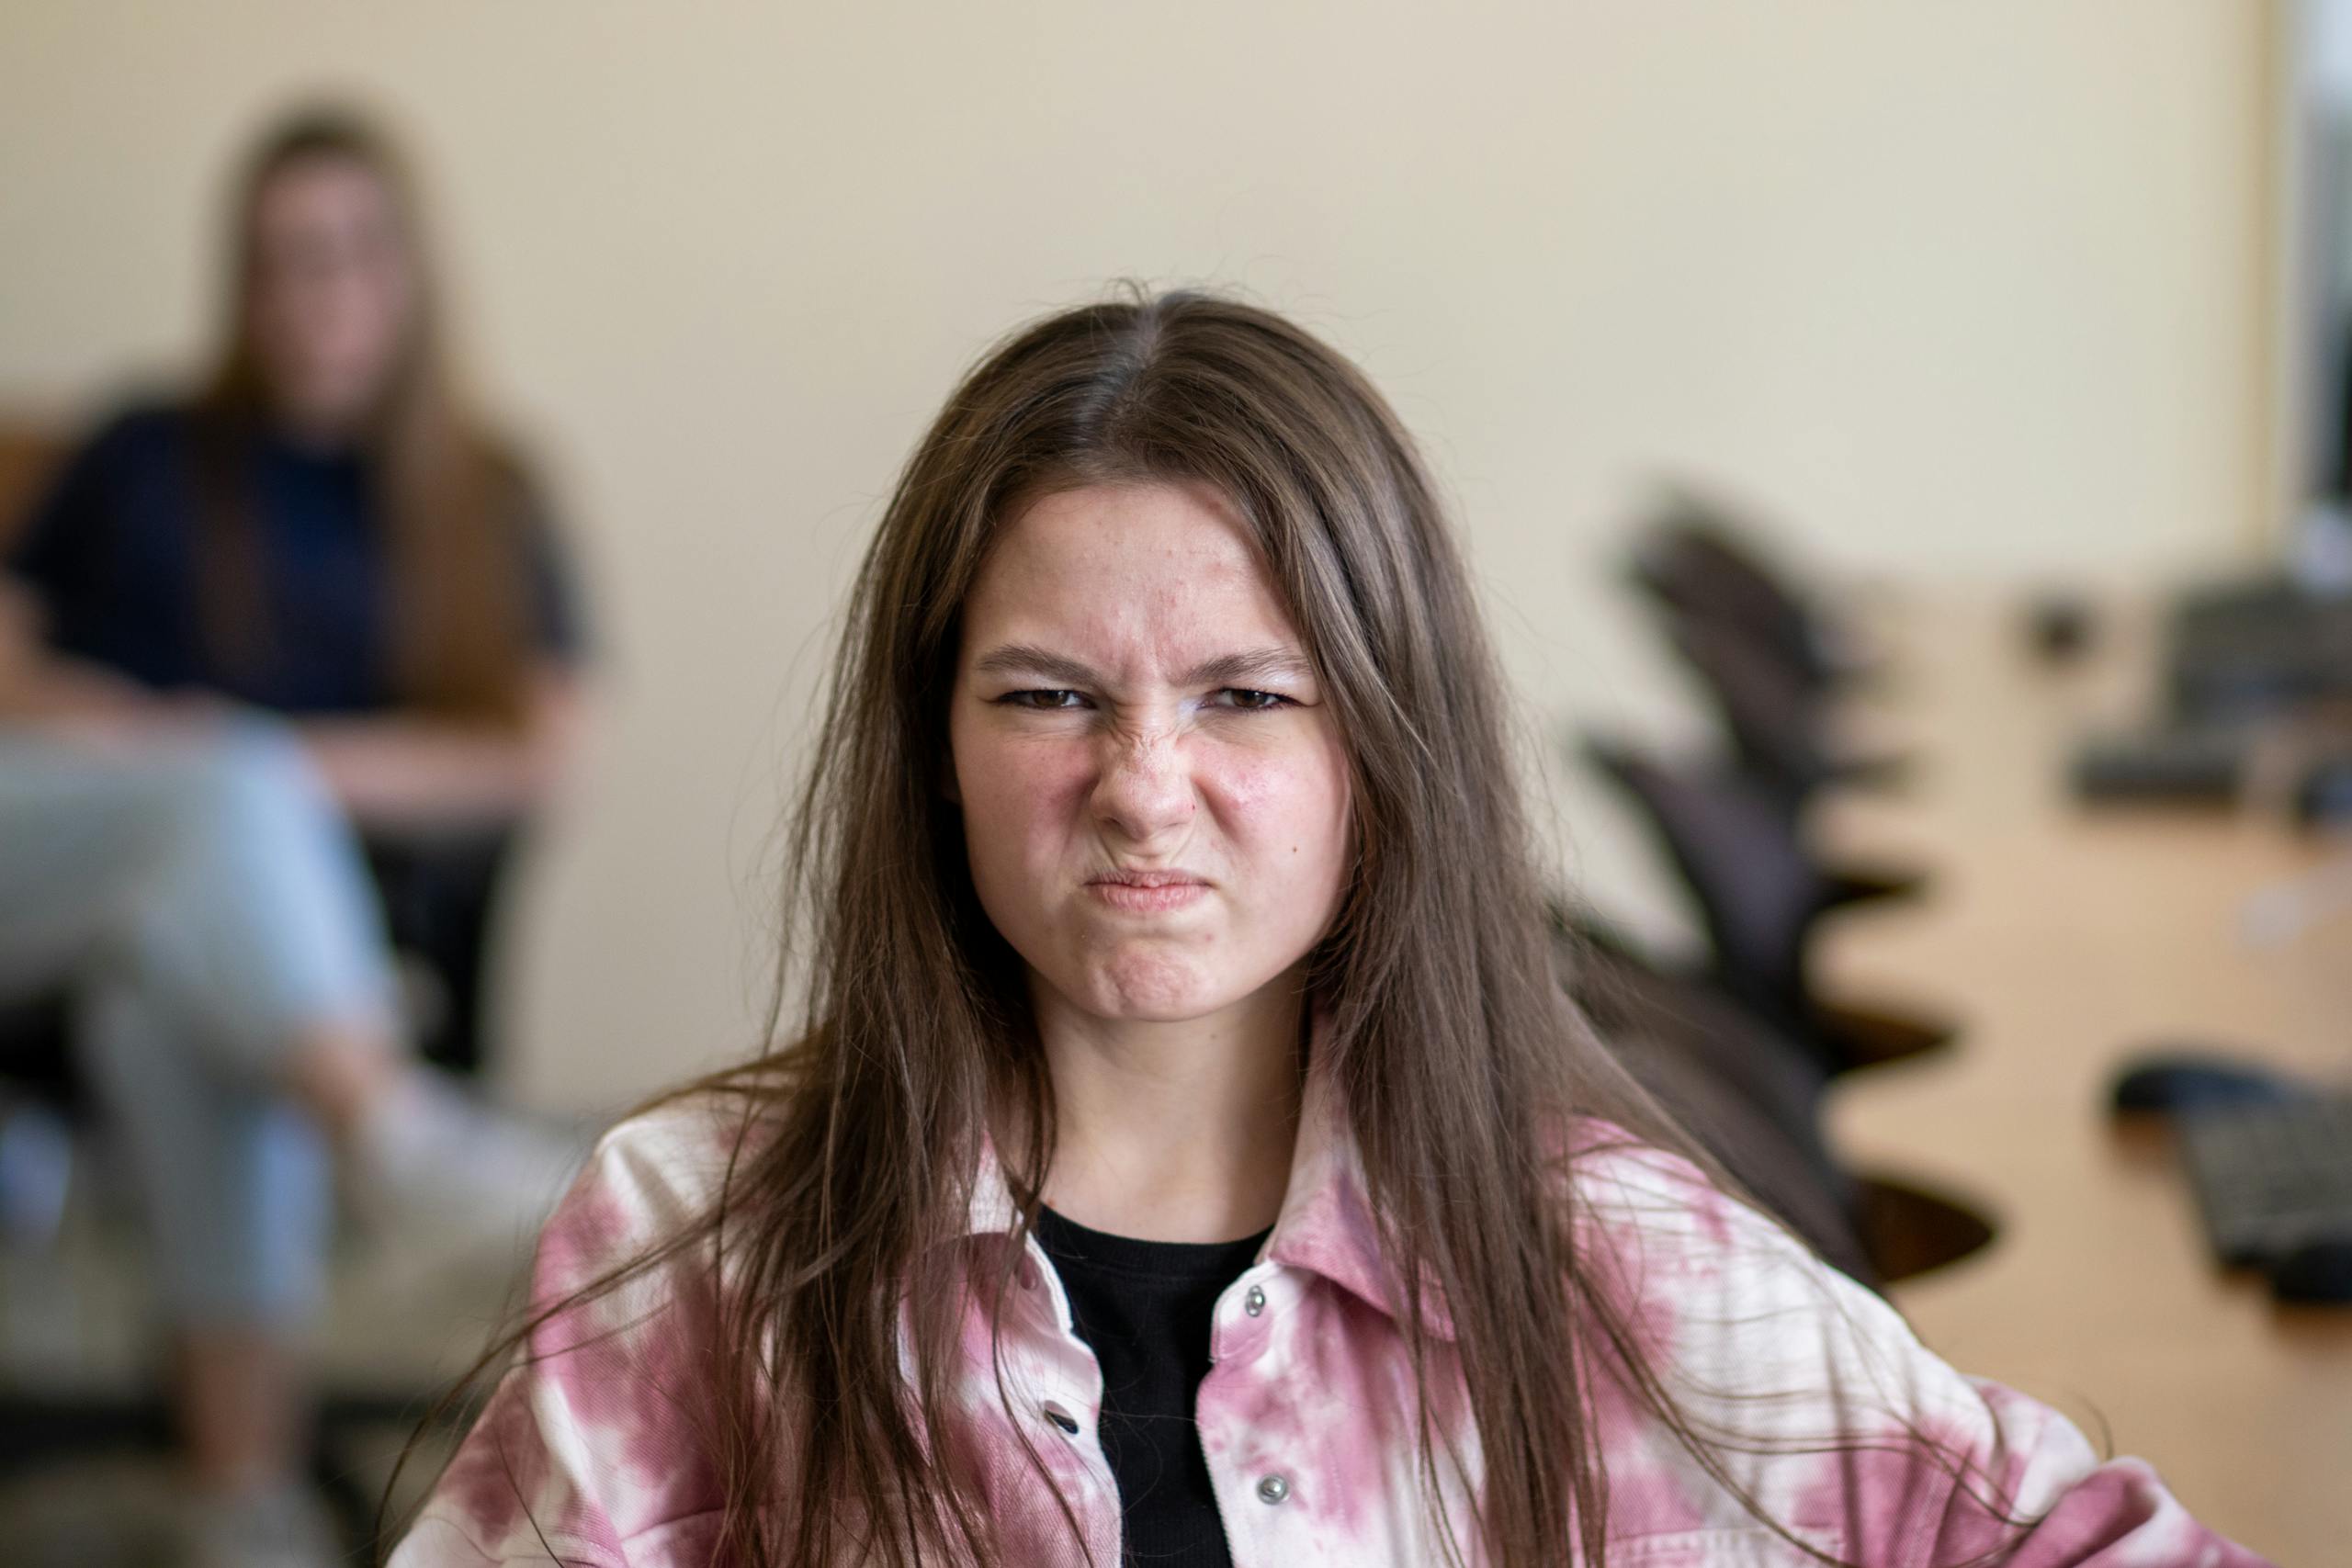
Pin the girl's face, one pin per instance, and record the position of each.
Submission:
(1155, 797)
(333, 288)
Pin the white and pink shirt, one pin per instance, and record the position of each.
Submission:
(588, 1451)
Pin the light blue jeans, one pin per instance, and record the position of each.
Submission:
(207, 902)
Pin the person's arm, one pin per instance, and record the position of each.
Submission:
(40, 685)
(393, 772)
(398, 772)
(1851, 1432)
(50, 559)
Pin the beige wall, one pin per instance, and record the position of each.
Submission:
(1948, 287)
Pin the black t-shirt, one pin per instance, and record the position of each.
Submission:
(1145, 1307)
(111, 551)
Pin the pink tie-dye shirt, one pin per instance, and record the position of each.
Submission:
(587, 1452)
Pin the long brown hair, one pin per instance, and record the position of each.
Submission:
(449, 495)
(1456, 1051)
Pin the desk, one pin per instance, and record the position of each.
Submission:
(2059, 936)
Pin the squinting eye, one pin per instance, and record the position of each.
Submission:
(1249, 701)
(1049, 699)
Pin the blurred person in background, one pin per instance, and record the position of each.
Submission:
(316, 600)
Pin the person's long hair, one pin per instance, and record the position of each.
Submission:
(449, 496)
(1456, 1051)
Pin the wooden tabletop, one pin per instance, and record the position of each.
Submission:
(2060, 937)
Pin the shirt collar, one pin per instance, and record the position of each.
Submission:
(1326, 1224)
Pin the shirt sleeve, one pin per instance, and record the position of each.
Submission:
(592, 1449)
(1828, 1411)
(558, 627)
(51, 547)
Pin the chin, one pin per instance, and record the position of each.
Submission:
(1150, 989)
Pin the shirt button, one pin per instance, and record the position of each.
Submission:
(1028, 1275)
(1062, 1418)
(1273, 1489)
(1254, 1302)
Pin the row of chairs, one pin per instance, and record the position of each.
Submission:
(1744, 1047)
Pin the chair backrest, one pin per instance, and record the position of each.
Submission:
(1776, 722)
(1738, 849)
(440, 902)
(1770, 715)
(1693, 558)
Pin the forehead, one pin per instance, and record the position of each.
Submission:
(321, 187)
(1128, 574)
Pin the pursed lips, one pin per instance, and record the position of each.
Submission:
(1148, 892)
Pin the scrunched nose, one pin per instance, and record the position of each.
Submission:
(1145, 789)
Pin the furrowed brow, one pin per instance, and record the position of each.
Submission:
(1027, 659)
(1256, 667)
(1244, 669)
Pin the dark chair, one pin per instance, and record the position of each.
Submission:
(1776, 723)
(439, 898)
(1762, 896)
(1751, 1095)
(1697, 558)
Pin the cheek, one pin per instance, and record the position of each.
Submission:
(279, 308)
(359, 313)
(1291, 811)
(387, 303)
(1019, 796)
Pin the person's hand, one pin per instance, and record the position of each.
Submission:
(83, 701)
(96, 707)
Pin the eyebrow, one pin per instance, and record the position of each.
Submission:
(1257, 664)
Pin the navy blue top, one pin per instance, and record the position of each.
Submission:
(111, 551)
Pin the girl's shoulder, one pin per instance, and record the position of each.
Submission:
(1624, 1183)
(1722, 1292)
(1816, 1398)
(594, 1440)
(648, 1181)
